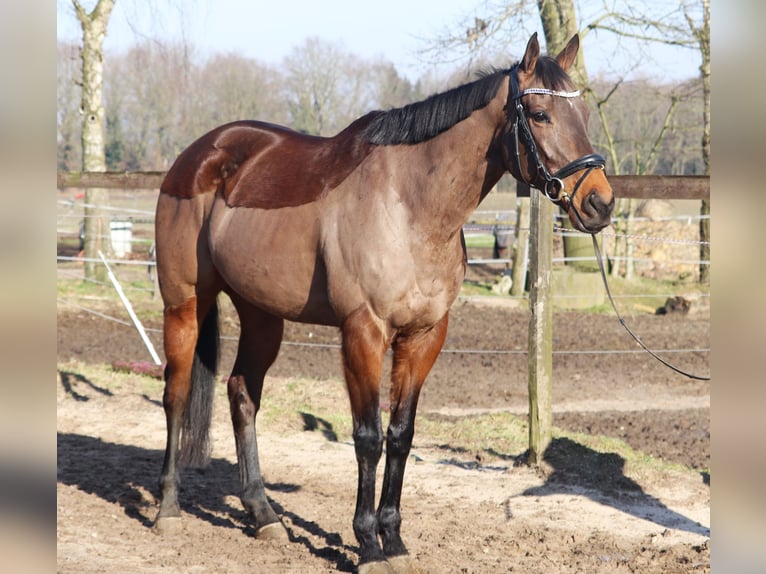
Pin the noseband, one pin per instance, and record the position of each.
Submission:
(553, 186)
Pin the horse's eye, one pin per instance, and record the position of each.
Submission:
(541, 117)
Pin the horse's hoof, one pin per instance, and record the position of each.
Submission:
(375, 568)
(402, 565)
(167, 525)
(273, 531)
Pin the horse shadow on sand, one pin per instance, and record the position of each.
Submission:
(576, 469)
(123, 474)
(128, 475)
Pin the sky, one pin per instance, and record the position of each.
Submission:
(394, 30)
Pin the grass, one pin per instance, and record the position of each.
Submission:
(637, 295)
(112, 381)
(305, 405)
(133, 280)
(284, 401)
(645, 295)
(480, 240)
(471, 288)
(495, 435)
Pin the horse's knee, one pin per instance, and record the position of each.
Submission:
(368, 442)
(399, 439)
(389, 519)
(365, 525)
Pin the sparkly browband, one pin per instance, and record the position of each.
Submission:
(547, 92)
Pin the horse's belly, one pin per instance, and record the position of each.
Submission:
(269, 259)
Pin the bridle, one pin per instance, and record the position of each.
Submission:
(554, 189)
(553, 185)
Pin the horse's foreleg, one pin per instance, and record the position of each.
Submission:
(413, 358)
(363, 349)
(180, 337)
(259, 343)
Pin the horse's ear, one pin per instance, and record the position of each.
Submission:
(567, 56)
(531, 54)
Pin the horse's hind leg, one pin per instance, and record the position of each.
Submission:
(180, 334)
(259, 341)
(413, 358)
(189, 285)
(191, 354)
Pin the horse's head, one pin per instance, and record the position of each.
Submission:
(547, 144)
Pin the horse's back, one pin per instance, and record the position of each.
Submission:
(261, 165)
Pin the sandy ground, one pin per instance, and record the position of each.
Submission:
(584, 511)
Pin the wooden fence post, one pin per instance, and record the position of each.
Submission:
(540, 357)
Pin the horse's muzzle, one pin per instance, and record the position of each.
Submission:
(593, 213)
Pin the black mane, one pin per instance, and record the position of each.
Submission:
(424, 120)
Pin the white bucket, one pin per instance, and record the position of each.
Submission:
(121, 232)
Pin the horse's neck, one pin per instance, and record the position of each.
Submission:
(449, 175)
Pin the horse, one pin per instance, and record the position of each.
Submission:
(361, 231)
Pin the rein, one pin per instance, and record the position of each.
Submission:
(628, 329)
(554, 189)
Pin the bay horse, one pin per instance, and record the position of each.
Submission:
(362, 231)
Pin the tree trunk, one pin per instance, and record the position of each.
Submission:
(559, 25)
(704, 41)
(94, 26)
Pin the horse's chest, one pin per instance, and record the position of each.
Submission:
(419, 296)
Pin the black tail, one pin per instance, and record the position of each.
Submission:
(195, 436)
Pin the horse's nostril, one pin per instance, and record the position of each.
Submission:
(595, 203)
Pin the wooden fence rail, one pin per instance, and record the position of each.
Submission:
(110, 179)
(628, 186)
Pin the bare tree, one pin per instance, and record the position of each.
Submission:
(93, 24)
(313, 80)
(160, 96)
(68, 107)
(701, 33)
(685, 24)
(643, 22)
(326, 87)
(559, 22)
(233, 87)
(393, 90)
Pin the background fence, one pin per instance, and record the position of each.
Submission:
(664, 241)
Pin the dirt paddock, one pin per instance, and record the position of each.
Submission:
(584, 511)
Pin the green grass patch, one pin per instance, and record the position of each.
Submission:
(642, 295)
(471, 288)
(498, 435)
(106, 378)
(136, 286)
(304, 405)
(485, 241)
